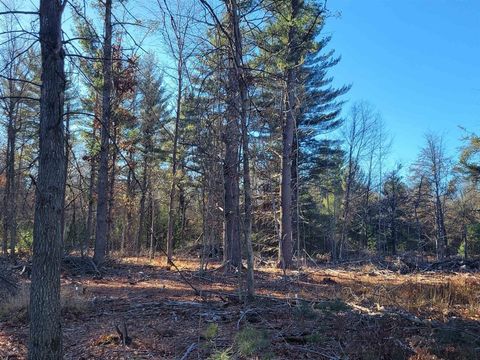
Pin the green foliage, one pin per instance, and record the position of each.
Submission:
(473, 242)
(470, 158)
(25, 239)
(250, 340)
(211, 331)
(221, 355)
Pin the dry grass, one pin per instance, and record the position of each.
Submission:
(15, 307)
(321, 313)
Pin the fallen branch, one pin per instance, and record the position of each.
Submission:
(189, 350)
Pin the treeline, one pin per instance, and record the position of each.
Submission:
(233, 139)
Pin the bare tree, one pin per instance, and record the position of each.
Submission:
(434, 165)
(360, 138)
(45, 317)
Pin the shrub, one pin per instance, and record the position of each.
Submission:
(250, 340)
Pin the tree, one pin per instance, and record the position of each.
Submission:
(176, 34)
(45, 317)
(153, 112)
(434, 165)
(360, 140)
(102, 181)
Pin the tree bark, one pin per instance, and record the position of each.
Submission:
(286, 241)
(243, 107)
(102, 182)
(141, 215)
(91, 202)
(10, 219)
(111, 191)
(171, 203)
(45, 315)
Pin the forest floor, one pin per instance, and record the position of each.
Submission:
(356, 311)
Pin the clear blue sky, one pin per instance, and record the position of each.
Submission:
(416, 61)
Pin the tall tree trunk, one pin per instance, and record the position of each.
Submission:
(111, 191)
(286, 241)
(7, 199)
(67, 149)
(129, 232)
(232, 244)
(102, 184)
(171, 203)
(45, 316)
(242, 92)
(10, 223)
(141, 215)
(295, 194)
(91, 202)
(152, 227)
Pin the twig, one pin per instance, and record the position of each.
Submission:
(189, 350)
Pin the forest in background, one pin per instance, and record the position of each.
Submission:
(207, 128)
(233, 124)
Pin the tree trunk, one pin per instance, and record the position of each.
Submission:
(286, 241)
(45, 316)
(152, 227)
(243, 107)
(111, 192)
(141, 215)
(171, 203)
(102, 182)
(10, 221)
(232, 246)
(91, 202)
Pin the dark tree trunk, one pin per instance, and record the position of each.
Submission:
(232, 250)
(295, 195)
(286, 240)
(111, 193)
(232, 245)
(141, 215)
(91, 201)
(102, 184)
(241, 95)
(45, 316)
(173, 184)
(10, 219)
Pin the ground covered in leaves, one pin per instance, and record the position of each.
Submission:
(140, 309)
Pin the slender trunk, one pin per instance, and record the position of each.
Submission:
(67, 149)
(171, 204)
(91, 202)
(152, 227)
(243, 107)
(141, 219)
(295, 195)
(102, 182)
(45, 315)
(91, 185)
(346, 204)
(111, 193)
(10, 223)
(129, 232)
(7, 199)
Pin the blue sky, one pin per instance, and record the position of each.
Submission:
(416, 61)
